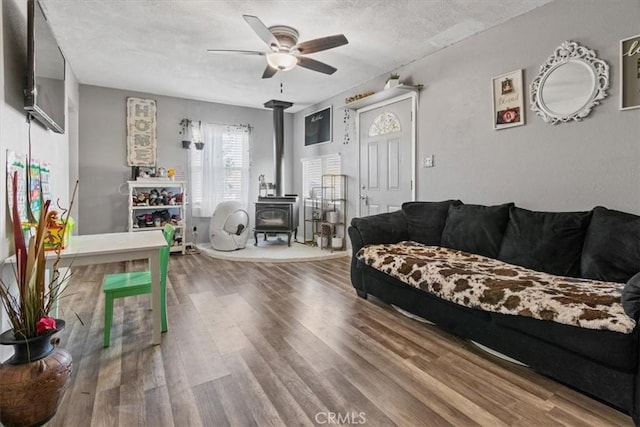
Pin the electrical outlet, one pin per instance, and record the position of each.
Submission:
(427, 162)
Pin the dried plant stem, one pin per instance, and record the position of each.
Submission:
(35, 299)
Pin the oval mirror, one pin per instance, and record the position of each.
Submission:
(570, 84)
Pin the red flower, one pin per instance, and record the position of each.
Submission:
(45, 324)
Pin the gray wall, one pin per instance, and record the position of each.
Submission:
(103, 162)
(569, 166)
(14, 130)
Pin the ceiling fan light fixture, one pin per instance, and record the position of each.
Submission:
(281, 61)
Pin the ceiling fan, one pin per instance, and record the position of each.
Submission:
(285, 51)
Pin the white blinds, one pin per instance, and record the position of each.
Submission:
(220, 172)
(314, 168)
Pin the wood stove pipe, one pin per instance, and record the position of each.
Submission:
(278, 141)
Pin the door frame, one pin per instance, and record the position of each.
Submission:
(413, 96)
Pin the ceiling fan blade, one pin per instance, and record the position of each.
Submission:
(314, 65)
(322, 43)
(262, 30)
(240, 52)
(269, 72)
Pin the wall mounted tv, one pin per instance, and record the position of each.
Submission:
(45, 92)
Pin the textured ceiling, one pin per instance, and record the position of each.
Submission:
(160, 46)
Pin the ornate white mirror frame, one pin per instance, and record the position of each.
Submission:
(571, 82)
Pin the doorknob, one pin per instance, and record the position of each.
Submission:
(365, 198)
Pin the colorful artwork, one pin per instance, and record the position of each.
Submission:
(35, 192)
(45, 181)
(17, 163)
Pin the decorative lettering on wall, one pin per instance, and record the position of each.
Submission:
(634, 49)
(630, 73)
(141, 132)
(317, 127)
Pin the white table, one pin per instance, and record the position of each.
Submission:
(115, 247)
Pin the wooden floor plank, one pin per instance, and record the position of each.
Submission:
(279, 344)
(158, 407)
(209, 404)
(250, 390)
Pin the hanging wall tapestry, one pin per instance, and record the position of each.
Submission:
(141, 132)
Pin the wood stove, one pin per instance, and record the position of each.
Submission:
(277, 215)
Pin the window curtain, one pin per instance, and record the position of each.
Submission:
(220, 171)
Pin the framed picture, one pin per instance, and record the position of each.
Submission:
(142, 172)
(318, 126)
(630, 73)
(508, 100)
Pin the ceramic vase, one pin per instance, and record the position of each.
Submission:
(34, 380)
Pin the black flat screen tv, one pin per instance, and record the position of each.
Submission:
(45, 92)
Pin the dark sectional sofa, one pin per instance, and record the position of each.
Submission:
(600, 244)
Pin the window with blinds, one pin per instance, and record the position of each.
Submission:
(220, 172)
(314, 168)
(197, 176)
(232, 166)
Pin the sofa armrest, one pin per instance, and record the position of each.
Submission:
(631, 297)
(388, 227)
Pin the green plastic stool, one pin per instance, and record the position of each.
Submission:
(121, 285)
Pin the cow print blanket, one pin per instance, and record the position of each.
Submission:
(488, 284)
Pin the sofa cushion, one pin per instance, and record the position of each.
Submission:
(488, 284)
(388, 227)
(612, 246)
(425, 220)
(631, 297)
(475, 228)
(545, 241)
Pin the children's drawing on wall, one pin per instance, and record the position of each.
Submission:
(16, 163)
(45, 181)
(35, 201)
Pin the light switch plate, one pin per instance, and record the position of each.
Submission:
(427, 162)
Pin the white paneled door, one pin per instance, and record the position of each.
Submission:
(386, 169)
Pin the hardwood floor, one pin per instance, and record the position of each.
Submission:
(288, 344)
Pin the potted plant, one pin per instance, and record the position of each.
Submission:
(392, 81)
(186, 140)
(33, 381)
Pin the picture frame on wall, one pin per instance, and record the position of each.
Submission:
(318, 126)
(508, 100)
(142, 172)
(141, 132)
(630, 73)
